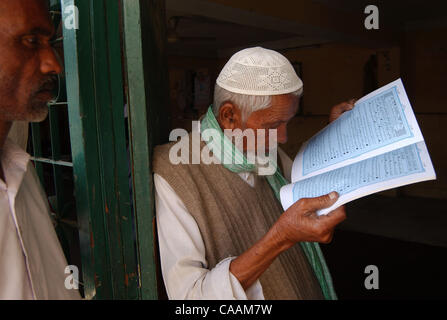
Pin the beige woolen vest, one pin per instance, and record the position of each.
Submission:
(232, 216)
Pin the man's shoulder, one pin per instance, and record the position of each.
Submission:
(162, 151)
(166, 159)
(15, 154)
(177, 160)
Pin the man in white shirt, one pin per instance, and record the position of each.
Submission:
(220, 239)
(32, 263)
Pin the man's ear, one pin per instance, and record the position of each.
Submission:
(230, 116)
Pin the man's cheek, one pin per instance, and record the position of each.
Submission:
(9, 87)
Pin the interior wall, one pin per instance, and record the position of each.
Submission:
(331, 74)
(179, 69)
(315, 17)
(424, 69)
(334, 73)
(424, 72)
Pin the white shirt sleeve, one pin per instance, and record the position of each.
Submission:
(182, 253)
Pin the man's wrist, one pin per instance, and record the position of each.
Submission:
(279, 240)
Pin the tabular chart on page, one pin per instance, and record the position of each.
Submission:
(372, 124)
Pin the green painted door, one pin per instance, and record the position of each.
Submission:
(114, 65)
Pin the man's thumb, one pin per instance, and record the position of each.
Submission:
(322, 202)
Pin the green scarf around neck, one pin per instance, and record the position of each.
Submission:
(225, 148)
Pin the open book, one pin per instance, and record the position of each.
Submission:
(374, 147)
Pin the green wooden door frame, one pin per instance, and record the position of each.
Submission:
(98, 138)
(147, 82)
(117, 245)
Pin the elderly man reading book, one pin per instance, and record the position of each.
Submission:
(222, 231)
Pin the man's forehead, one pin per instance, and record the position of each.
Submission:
(25, 16)
(282, 108)
(285, 103)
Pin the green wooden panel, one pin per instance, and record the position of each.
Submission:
(85, 151)
(144, 34)
(97, 129)
(126, 218)
(112, 140)
(139, 142)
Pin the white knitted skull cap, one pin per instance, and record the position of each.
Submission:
(260, 72)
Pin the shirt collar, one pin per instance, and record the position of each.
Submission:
(14, 162)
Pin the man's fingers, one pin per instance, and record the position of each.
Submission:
(335, 217)
(314, 204)
(329, 237)
(345, 106)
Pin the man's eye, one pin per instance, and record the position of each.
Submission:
(31, 41)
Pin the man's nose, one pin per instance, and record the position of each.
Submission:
(49, 62)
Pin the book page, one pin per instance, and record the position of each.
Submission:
(380, 122)
(400, 167)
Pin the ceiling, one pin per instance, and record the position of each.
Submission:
(400, 11)
(225, 30)
(206, 36)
